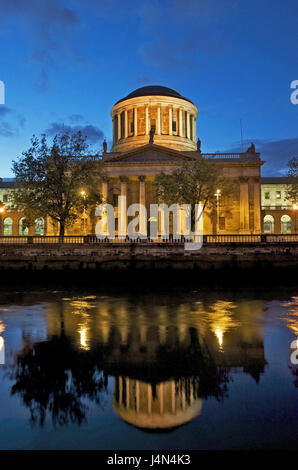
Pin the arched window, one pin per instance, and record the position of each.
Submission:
(285, 224)
(7, 227)
(39, 226)
(268, 224)
(23, 230)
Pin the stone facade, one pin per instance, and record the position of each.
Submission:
(154, 130)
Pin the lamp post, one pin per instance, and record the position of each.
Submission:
(2, 210)
(83, 195)
(217, 195)
(295, 207)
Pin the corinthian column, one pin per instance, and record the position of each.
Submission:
(104, 189)
(180, 123)
(142, 214)
(122, 210)
(125, 124)
(119, 126)
(170, 121)
(187, 125)
(135, 121)
(244, 205)
(158, 121)
(257, 206)
(146, 120)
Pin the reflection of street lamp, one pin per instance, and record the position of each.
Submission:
(217, 195)
(295, 207)
(84, 194)
(2, 210)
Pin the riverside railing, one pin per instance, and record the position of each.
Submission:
(92, 239)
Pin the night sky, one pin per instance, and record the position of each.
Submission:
(65, 63)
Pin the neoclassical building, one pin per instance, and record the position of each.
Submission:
(154, 130)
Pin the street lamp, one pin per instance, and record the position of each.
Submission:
(295, 207)
(2, 210)
(84, 195)
(217, 195)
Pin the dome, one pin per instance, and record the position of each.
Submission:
(153, 90)
(171, 115)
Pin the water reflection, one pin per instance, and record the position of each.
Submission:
(164, 405)
(166, 357)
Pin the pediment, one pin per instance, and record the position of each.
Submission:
(149, 154)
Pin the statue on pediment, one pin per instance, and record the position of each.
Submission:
(152, 132)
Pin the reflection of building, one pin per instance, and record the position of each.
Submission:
(278, 214)
(166, 357)
(2, 344)
(163, 405)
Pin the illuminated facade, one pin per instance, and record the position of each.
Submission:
(154, 130)
(278, 212)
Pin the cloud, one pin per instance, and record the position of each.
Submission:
(93, 133)
(275, 153)
(4, 110)
(43, 22)
(11, 127)
(192, 28)
(7, 130)
(75, 118)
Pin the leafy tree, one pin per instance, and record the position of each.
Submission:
(56, 180)
(293, 180)
(193, 182)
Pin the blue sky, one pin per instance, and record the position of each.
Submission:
(67, 62)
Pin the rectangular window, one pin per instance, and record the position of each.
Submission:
(174, 126)
(115, 200)
(191, 127)
(267, 195)
(222, 223)
(122, 124)
(5, 198)
(278, 194)
(115, 128)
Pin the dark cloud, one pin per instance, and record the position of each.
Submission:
(44, 22)
(275, 153)
(10, 127)
(75, 118)
(93, 133)
(4, 110)
(193, 28)
(7, 130)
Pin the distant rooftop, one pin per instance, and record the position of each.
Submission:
(275, 180)
(6, 183)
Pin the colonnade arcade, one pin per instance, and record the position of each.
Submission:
(139, 189)
(167, 120)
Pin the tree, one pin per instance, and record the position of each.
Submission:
(193, 182)
(56, 180)
(293, 180)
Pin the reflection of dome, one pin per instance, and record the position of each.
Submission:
(163, 406)
(153, 90)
